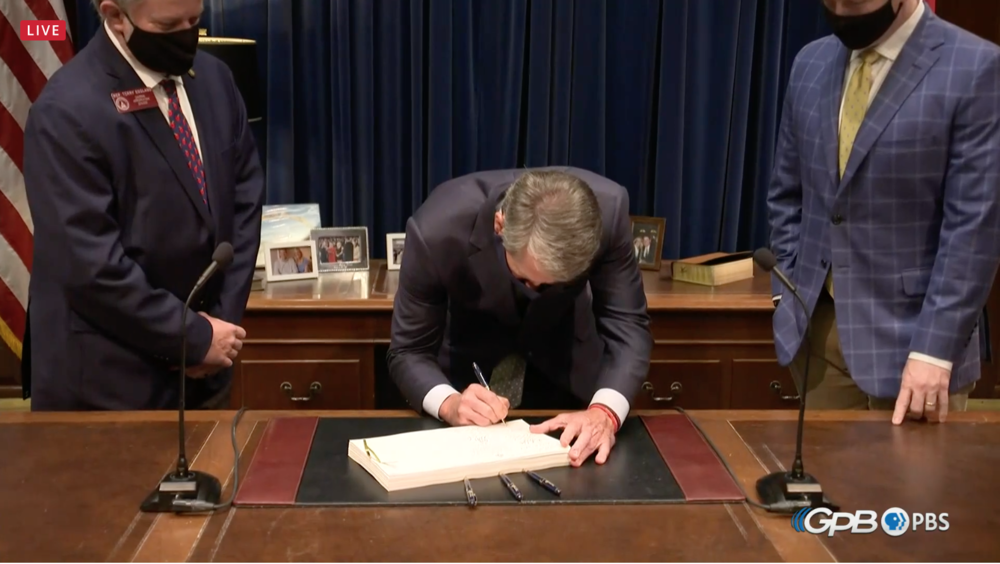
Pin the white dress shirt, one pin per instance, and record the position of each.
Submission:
(152, 80)
(611, 398)
(889, 51)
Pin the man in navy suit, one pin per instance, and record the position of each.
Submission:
(138, 162)
(532, 277)
(885, 209)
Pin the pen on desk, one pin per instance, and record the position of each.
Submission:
(511, 487)
(470, 496)
(544, 483)
(482, 381)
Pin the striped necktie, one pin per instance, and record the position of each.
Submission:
(185, 138)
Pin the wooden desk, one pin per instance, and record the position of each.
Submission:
(72, 484)
(713, 346)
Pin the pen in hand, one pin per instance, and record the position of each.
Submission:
(482, 382)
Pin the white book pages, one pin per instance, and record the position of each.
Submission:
(440, 456)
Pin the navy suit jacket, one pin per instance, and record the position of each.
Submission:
(121, 234)
(912, 230)
(455, 303)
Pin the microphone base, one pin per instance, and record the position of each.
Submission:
(781, 492)
(183, 494)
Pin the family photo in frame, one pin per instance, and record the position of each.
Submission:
(341, 249)
(394, 243)
(647, 241)
(294, 260)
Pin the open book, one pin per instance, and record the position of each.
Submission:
(441, 456)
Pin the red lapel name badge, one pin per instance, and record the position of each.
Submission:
(133, 100)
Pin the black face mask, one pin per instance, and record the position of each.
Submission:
(858, 32)
(170, 53)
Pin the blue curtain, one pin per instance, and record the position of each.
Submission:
(371, 104)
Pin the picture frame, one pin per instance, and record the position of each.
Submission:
(290, 260)
(394, 244)
(647, 241)
(341, 249)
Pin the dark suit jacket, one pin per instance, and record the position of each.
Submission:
(121, 234)
(455, 303)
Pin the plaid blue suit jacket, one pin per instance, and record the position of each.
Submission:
(912, 231)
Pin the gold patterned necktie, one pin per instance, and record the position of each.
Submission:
(852, 116)
(507, 379)
(855, 106)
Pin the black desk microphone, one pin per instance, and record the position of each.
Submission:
(185, 490)
(787, 492)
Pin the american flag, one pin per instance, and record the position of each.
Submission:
(25, 67)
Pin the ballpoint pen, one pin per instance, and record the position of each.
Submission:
(470, 496)
(543, 482)
(511, 487)
(482, 381)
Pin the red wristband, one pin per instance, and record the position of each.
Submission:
(609, 413)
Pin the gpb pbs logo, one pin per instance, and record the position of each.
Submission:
(894, 521)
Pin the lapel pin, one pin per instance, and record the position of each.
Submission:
(191, 72)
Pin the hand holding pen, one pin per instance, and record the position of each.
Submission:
(477, 405)
(482, 382)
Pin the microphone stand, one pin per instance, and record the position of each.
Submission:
(788, 492)
(185, 490)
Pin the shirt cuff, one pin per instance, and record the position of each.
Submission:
(931, 360)
(614, 400)
(435, 397)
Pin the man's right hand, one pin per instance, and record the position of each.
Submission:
(475, 406)
(227, 340)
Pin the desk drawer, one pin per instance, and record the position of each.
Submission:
(305, 376)
(691, 384)
(762, 384)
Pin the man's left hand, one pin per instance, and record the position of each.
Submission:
(924, 392)
(592, 429)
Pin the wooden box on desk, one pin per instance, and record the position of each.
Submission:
(714, 269)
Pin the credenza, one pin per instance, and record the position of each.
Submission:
(321, 344)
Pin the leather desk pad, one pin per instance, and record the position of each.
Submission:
(303, 462)
(634, 473)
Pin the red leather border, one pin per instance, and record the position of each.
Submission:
(698, 471)
(276, 469)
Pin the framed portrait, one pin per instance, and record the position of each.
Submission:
(341, 249)
(647, 241)
(394, 249)
(295, 260)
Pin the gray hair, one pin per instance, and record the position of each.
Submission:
(123, 4)
(555, 217)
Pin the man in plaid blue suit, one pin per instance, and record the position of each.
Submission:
(885, 209)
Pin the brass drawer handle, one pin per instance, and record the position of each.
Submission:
(776, 388)
(314, 389)
(676, 388)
